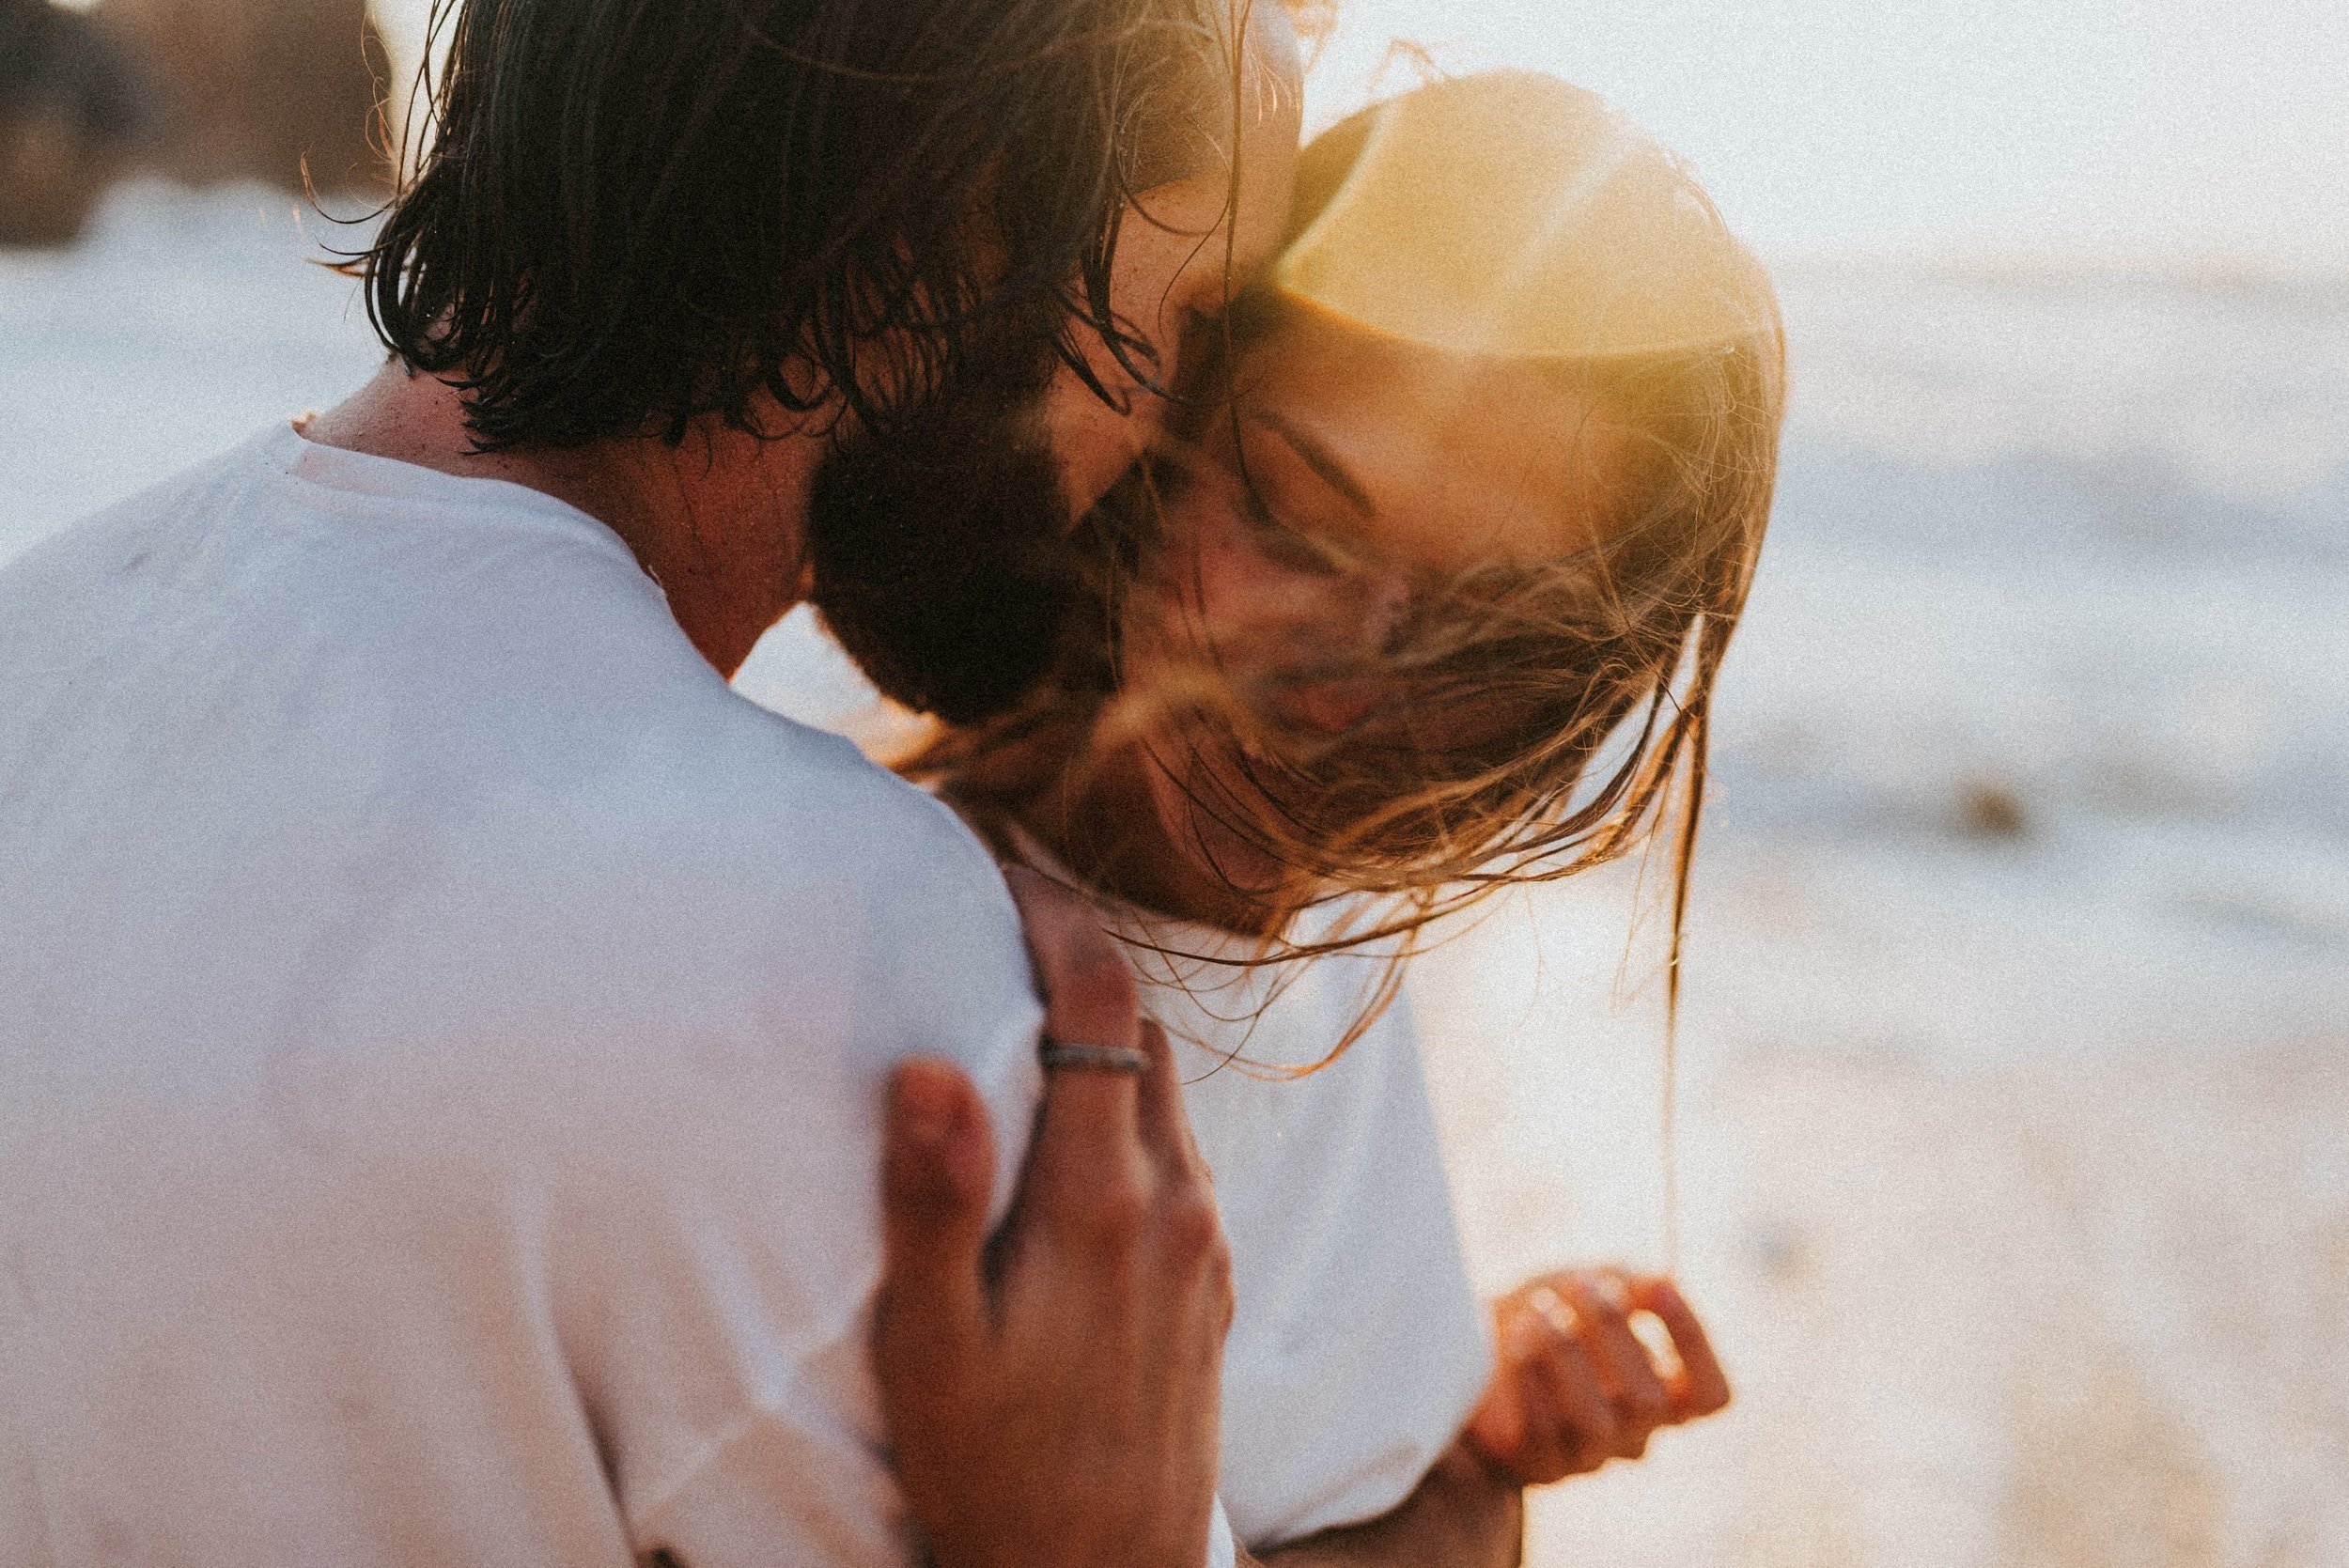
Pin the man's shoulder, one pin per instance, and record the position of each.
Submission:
(487, 762)
(852, 858)
(102, 544)
(714, 791)
(706, 985)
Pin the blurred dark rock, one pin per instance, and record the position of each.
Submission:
(1992, 811)
(261, 90)
(73, 104)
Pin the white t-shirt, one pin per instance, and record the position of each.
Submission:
(442, 1033)
(1357, 1346)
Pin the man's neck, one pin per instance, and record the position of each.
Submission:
(716, 521)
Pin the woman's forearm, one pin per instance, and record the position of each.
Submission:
(1464, 1514)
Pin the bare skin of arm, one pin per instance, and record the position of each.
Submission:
(1465, 1513)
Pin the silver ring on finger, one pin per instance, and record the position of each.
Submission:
(1093, 1058)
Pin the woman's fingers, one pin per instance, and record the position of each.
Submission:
(1699, 1386)
(1577, 1385)
(1090, 1120)
(938, 1171)
(1540, 1453)
(1587, 1425)
(1094, 1118)
(1552, 1444)
(1602, 1303)
(1165, 1124)
(1545, 1416)
(1498, 1425)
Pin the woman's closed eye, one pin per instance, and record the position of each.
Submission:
(1237, 493)
(1288, 547)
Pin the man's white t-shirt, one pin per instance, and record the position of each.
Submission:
(441, 1041)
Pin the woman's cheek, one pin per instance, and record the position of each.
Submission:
(1278, 618)
(1257, 615)
(1309, 635)
(1225, 593)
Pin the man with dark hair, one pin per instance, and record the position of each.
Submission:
(444, 1032)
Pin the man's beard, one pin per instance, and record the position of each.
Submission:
(940, 545)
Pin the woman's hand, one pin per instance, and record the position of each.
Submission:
(1052, 1392)
(1575, 1385)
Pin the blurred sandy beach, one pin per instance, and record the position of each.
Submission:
(2015, 1095)
(2039, 1314)
(2080, 1306)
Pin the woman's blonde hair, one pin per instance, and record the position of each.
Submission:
(1541, 719)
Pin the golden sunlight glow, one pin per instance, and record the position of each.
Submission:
(1511, 214)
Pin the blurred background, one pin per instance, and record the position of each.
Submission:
(2013, 1094)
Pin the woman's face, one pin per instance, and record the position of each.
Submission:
(1351, 473)
(1354, 470)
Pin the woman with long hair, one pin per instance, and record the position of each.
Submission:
(1425, 601)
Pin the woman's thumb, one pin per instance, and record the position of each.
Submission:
(938, 1171)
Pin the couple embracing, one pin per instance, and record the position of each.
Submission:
(474, 1089)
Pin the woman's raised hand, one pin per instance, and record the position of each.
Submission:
(1052, 1391)
(1575, 1385)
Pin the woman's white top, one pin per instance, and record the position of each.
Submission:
(1359, 1347)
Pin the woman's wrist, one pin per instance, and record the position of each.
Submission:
(1483, 1509)
(1465, 1513)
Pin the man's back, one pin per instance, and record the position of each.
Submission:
(440, 1031)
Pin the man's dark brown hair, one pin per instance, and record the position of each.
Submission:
(635, 213)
